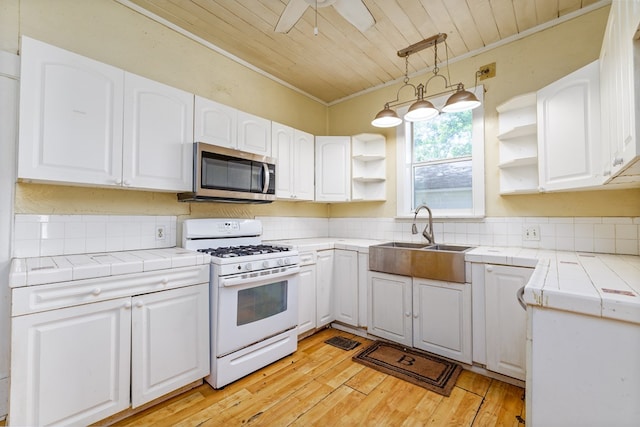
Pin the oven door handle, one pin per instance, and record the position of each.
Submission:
(244, 280)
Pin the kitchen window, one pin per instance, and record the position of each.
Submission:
(441, 163)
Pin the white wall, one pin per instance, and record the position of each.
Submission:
(9, 68)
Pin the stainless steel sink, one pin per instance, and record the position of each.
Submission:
(437, 262)
(407, 245)
(450, 248)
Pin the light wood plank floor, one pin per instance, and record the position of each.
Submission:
(320, 385)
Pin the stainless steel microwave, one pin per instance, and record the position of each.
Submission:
(226, 175)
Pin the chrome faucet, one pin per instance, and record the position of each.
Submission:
(427, 234)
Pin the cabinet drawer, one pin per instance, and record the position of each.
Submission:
(33, 299)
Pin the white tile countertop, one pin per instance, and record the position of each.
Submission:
(324, 243)
(41, 270)
(601, 285)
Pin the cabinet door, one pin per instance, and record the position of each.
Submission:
(324, 288)
(333, 168)
(442, 318)
(158, 136)
(390, 307)
(170, 341)
(283, 151)
(303, 166)
(345, 282)
(70, 366)
(506, 321)
(569, 128)
(215, 123)
(619, 80)
(254, 134)
(307, 299)
(70, 117)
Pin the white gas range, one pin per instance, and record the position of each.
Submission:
(253, 296)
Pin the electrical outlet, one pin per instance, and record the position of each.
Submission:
(531, 233)
(160, 232)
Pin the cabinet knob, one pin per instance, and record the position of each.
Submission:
(618, 161)
(127, 304)
(96, 291)
(164, 281)
(415, 315)
(127, 182)
(118, 181)
(407, 314)
(489, 269)
(139, 304)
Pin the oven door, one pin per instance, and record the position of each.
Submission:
(250, 310)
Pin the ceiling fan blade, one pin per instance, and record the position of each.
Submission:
(356, 12)
(291, 14)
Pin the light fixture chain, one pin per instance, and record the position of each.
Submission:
(435, 58)
(406, 69)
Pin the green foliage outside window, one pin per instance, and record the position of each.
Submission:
(448, 136)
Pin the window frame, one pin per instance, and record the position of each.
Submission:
(404, 164)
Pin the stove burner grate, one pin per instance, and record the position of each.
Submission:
(244, 250)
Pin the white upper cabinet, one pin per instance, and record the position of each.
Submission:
(88, 123)
(254, 134)
(294, 154)
(215, 123)
(71, 111)
(619, 95)
(569, 131)
(333, 168)
(224, 126)
(158, 136)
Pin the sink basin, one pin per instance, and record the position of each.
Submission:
(437, 262)
(450, 248)
(407, 245)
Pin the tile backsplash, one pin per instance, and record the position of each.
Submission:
(50, 235)
(619, 235)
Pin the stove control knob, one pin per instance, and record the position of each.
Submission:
(265, 264)
(280, 261)
(287, 261)
(248, 266)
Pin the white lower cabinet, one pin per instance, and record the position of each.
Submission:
(169, 341)
(427, 314)
(71, 366)
(505, 319)
(324, 288)
(307, 299)
(81, 364)
(442, 318)
(345, 282)
(390, 307)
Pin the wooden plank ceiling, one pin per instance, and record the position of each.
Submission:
(341, 61)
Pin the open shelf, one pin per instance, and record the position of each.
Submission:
(518, 145)
(368, 167)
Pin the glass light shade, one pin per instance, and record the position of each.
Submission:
(421, 110)
(462, 100)
(386, 118)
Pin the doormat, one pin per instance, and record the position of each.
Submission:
(418, 367)
(343, 343)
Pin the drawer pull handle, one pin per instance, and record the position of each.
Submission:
(164, 281)
(96, 291)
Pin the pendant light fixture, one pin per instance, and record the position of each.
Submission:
(422, 109)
